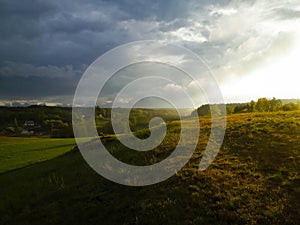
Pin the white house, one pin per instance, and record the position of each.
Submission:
(29, 123)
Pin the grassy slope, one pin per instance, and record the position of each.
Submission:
(16, 152)
(254, 180)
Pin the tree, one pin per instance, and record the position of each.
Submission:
(214, 110)
(17, 128)
(262, 105)
(59, 129)
(202, 111)
(275, 104)
(290, 107)
(241, 108)
(251, 106)
(229, 109)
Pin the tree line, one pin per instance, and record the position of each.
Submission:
(57, 121)
(261, 105)
(53, 121)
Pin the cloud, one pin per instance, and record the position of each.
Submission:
(47, 40)
(244, 35)
(35, 87)
(172, 87)
(288, 13)
(13, 69)
(25, 81)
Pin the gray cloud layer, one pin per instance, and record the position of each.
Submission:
(45, 46)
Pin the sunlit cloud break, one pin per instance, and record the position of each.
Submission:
(251, 47)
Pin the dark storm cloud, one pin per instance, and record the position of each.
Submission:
(160, 10)
(35, 87)
(39, 32)
(45, 46)
(76, 32)
(39, 39)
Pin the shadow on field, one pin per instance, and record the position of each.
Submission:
(253, 180)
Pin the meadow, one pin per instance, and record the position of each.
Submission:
(255, 179)
(17, 152)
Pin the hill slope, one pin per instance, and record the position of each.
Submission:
(17, 152)
(254, 180)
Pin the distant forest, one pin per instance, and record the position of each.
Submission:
(261, 105)
(57, 121)
(36, 120)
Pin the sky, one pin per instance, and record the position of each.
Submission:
(251, 47)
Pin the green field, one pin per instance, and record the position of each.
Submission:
(255, 179)
(17, 152)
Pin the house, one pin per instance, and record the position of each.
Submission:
(29, 123)
(27, 132)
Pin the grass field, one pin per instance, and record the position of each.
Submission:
(17, 152)
(255, 179)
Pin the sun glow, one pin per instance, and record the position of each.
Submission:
(279, 78)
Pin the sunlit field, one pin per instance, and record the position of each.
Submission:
(17, 152)
(253, 180)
